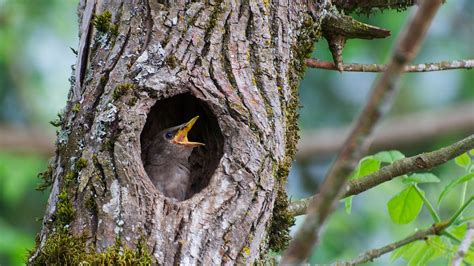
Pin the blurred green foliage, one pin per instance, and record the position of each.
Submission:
(20, 205)
(35, 64)
(35, 58)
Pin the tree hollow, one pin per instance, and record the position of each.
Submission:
(176, 110)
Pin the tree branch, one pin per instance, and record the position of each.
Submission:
(427, 67)
(353, 4)
(403, 131)
(435, 229)
(397, 132)
(464, 246)
(377, 105)
(424, 161)
(27, 140)
(375, 253)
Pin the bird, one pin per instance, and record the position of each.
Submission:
(167, 160)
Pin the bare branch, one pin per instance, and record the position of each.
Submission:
(353, 4)
(424, 161)
(26, 139)
(377, 105)
(427, 67)
(372, 254)
(464, 246)
(397, 132)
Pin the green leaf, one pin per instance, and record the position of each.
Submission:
(389, 156)
(463, 160)
(459, 231)
(421, 252)
(348, 204)
(469, 257)
(471, 152)
(405, 206)
(438, 245)
(400, 252)
(453, 184)
(367, 166)
(413, 251)
(422, 255)
(421, 178)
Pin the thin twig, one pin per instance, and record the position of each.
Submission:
(377, 252)
(420, 162)
(427, 67)
(381, 4)
(356, 145)
(435, 229)
(464, 246)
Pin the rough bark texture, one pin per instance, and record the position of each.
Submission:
(238, 64)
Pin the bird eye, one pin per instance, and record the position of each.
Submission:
(169, 135)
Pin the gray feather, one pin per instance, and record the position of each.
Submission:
(167, 165)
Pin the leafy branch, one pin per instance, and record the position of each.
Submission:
(435, 229)
(400, 167)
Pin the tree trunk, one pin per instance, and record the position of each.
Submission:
(145, 66)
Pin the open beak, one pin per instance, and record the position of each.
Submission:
(181, 136)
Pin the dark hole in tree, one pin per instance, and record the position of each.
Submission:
(177, 110)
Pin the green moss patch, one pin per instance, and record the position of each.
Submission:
(65, 212)
(121, 90)
(76, 108)
(81, 164)
(102, 22)
(62, 248)
(46, 178)
(282, 220)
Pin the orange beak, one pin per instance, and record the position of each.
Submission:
(181, 136)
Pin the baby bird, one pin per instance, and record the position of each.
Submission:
(167, 160)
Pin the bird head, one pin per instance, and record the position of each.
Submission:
(178, 135)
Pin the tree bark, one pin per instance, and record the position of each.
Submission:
(145, 65)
